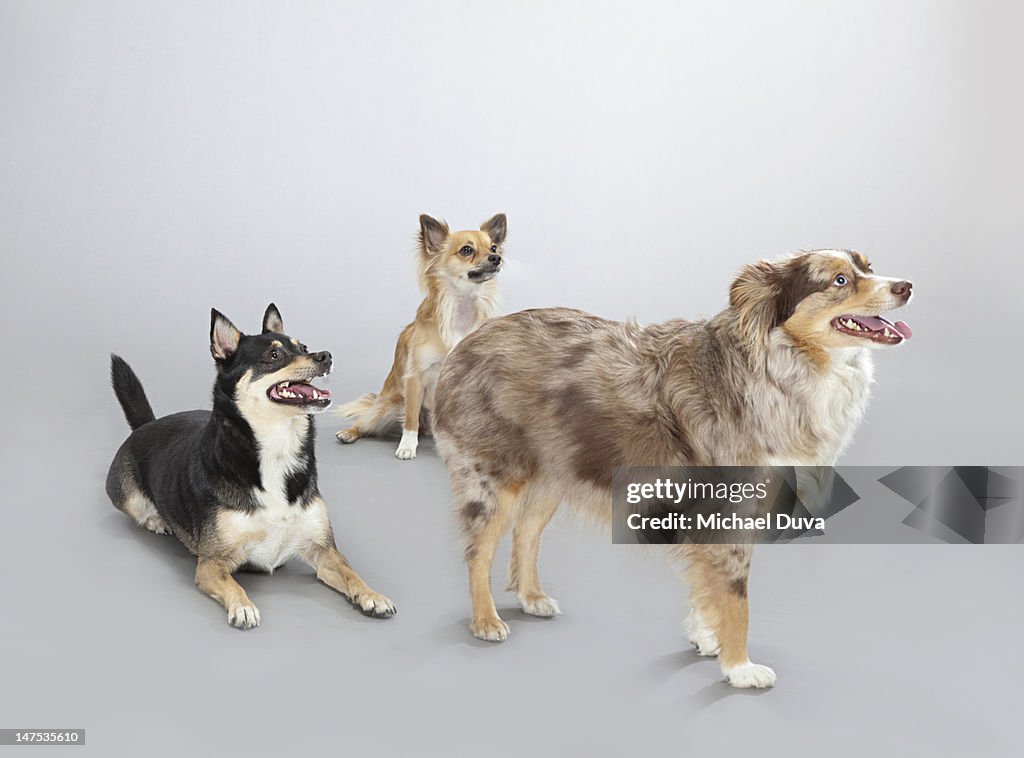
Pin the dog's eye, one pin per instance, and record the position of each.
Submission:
(274, 354)
(304, 348)
(840, 280)
(494, 248)
(466, 251)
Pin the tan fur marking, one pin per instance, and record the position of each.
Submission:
(524, 578)
(214, 578)
(334, 570)
(486, 623)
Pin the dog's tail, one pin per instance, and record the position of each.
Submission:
(369, 413)
(129, 393)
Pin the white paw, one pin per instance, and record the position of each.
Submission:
(701, 636)
(375, 605)
(750, 675)
(244, 616)
(540, 605)
(490, 629)
(346, 436)
(157, 525)
(407, 447)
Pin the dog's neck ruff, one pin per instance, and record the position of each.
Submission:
(832, 397)
(460, 310)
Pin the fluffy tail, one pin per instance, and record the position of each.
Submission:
(369, 413)
(129, 393)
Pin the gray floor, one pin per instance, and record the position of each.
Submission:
(908, 647)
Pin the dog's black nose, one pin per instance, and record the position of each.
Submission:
(323, 357)
(902, 289)
(494, 260)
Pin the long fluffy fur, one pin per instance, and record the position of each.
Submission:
(540, 406)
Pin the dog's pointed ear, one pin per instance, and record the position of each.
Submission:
(496, 227)
(433, 234)
(272, 321)
(224, 337)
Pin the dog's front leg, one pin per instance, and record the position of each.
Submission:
(213, 576)
(411, 421)
(718, 577)
(333, 569)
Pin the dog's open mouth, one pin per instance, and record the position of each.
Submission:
(874, 328)
(299, 393)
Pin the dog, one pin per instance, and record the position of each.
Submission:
(237, 485)
(456, 272)
(540, 406)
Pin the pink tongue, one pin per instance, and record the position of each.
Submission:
(878, 324)
(306, 390)
(302, 389)
(872, 323)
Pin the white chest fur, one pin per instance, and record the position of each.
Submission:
(829, 405)
(277, 530)
(462, 310)
(463, 319)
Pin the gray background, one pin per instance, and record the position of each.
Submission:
(160, 158)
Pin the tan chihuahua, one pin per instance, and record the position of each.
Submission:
(456, 272)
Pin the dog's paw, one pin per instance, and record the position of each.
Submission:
(156, 525)
(492, 629)
(750, 674)
(374, 605)
(407, 447)
(347, 436)
(707, 644)
(702, 636)
(705, 640)
(539, 605)
(244, 616)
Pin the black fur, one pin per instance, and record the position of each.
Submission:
(195, 463)
(129, 393)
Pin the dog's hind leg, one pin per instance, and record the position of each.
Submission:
(142, 509)
(718, 577)
(126, 494)
(334, 570)
(213, 576)
(485, 515)
(535, 512)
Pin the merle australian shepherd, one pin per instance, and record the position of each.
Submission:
(539, 407)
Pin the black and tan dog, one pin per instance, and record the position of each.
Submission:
(539, 407)
(237, 485)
